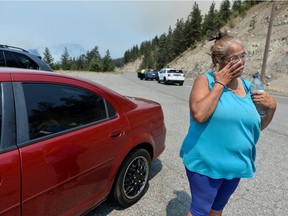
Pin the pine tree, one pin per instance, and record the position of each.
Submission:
(211, 22)
(47, 57)
(162, 57)
(126, 57)
(134, 53)
(178, 37)
(65, 60)
(224, 12)
(95, 65)
(93, 54)
(238, 8)
(169, 46)
(107, 62)
(193, 26)
(81, 62)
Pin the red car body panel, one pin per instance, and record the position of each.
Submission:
(75, 163)
(72, 172)
(10, 183)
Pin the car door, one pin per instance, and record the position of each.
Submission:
(10, 178)
(161, 73)
(68, 142)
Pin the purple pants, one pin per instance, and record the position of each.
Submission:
(208, 193)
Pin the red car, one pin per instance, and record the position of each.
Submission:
(67, 144)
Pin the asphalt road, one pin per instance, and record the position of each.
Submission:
(168, 194)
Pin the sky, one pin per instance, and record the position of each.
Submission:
(111, 25)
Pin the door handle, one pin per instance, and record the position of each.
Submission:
(116, 133)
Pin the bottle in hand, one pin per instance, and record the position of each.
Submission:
(258, 86)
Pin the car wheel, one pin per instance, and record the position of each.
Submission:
(181, 83)
(158, 80)
(165, 81)
(132, 181)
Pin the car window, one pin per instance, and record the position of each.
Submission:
(152, 71)
(179, 71)
(11, 61)
(25, 61)
(171, 71)
(2, 60)
(53, 108)
(175, 71)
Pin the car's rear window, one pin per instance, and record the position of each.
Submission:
(175, 71)
(153, 71)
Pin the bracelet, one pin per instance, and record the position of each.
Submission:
(220, 83)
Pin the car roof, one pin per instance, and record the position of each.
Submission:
(18, 50)
(11, 70)
(22, 70)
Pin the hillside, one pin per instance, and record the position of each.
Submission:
(252, 31)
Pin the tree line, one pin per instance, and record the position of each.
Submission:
(159, 51)
(91, 61)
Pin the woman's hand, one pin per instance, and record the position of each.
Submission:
(228, 73)
(264, 99)
(267, 101)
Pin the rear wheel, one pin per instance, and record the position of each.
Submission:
(132, 181)
(165, 81)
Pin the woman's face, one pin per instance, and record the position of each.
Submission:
(235, 53)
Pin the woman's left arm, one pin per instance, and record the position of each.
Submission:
(268, 102)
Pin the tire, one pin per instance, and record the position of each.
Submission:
(181, 83)
(165, 81)
(158, 80)
(133, 178)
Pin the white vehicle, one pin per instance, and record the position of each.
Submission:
(171, 75)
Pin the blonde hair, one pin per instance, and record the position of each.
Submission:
(222, 43)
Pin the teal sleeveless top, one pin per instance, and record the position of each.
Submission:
(224, 145)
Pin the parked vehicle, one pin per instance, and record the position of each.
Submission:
(141, 74)
(67, 144)
(148, 74)
(151, 74)
(171, 76)
(11, 56)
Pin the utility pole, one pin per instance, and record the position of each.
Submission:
(263, 70)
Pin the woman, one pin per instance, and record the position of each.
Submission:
(219, 148)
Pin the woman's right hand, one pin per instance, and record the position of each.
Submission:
(229, 72)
